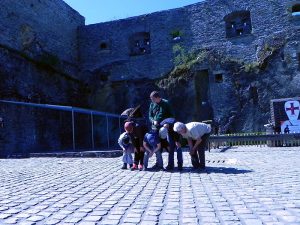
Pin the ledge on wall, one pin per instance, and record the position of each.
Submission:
(85, 154)
(44, 63)
(244, 39)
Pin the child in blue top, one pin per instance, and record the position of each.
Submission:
(152, 146)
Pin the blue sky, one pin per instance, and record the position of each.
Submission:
(96, 11)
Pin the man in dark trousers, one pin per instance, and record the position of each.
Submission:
(197, 135)
(159, 111)
(174, 143)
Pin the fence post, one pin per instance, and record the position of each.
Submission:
(107, 131)
(120, 125)
(92, 124)
(73, 131)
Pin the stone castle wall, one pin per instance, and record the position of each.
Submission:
(32, 26)
(202, 26)
(48, 55)
(38, 64)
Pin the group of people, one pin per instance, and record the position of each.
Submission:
(165, 133)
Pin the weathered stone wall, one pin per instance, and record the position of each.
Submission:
(202, 25)
(241, 61)
(117, 60)
(31, 129)
(38, 64)
(47, 55)
(37, 26)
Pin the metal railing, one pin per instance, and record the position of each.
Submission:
(30, 128)
(250, 139)
(39, 128)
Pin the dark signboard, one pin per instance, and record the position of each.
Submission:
(285, 114)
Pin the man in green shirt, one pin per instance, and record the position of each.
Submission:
(159, 111)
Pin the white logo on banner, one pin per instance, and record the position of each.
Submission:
(292, 110)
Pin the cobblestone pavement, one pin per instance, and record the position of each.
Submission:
(249, 185)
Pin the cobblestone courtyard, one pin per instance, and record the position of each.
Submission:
(248, 185)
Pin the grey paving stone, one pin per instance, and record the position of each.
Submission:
(87, 223)
(85, 210)
(136, 211)
(12, 211)
(98, 213)
(27, 223)
(216, 196)
(207, 214)
(226, 213)
(209, 220)
(134, 215)
(44, 214)
(4, 216)
(78, 214)
(52, 221)
(3, 208)
(243, 211)
(252, 222)
(275, 223)
(32, 211)
(188, 215)
(134, 220)
(153, 213)
(190, 220)
(172, 211)
(168, 222)
(93, 218)
(22, 215)
(36, 218)
(148, 223)
(59, 216)
(65, 212)
(150, 218)
(72, 219)
(169, 217)
(291, 219)
(247, 216)
(114, 217)
(109, 222)
(12, 221)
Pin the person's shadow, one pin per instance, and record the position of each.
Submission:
(209, 170)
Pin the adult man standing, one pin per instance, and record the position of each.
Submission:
(159, 111)
(197, 135)
(173, 140)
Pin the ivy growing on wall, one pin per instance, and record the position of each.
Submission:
(184, 61)
(176, 34)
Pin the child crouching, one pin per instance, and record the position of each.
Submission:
(127, 147)
(152, 146)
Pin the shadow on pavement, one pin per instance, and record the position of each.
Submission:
(225, 170)
(224, 149)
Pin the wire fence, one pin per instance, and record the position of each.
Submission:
(41, 128)
(33, 128)
(255, 139)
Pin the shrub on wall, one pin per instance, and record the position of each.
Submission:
(176, 34)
